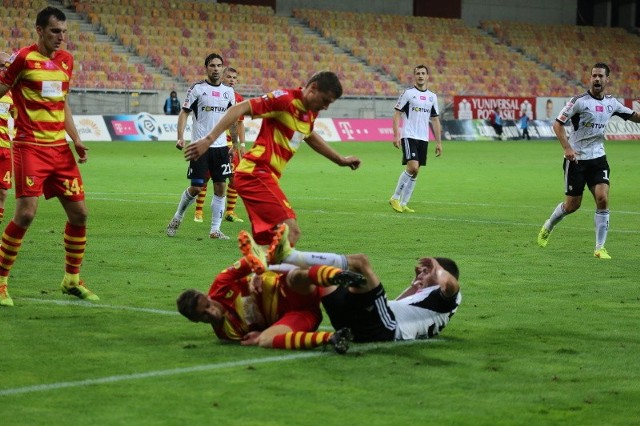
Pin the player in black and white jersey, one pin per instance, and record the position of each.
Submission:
(585, 162)
(416, 107)
(421, 311)
(208, 99)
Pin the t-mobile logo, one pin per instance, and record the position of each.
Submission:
(345, 126)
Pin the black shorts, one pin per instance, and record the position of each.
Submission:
(414, 149)
(215, 162)
(589, 172)
(367, 314)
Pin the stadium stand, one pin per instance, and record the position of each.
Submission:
(268, 51)
(579, 49)
(161, 44)
(462, 60)
(97, 65)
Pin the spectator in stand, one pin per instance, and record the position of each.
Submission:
(172, 104)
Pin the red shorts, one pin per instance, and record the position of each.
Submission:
(5, 168)
(266, 204)
(48, 170)
(299, 312)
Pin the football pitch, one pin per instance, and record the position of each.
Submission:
(543, 336)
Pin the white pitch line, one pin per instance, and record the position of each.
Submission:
(194, 369)
(95, 305)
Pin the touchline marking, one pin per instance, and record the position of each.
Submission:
(194, 369)
(94, 305)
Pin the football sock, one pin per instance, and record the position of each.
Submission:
(10, 246)
(232, 198)
(75, 242)
(217, 208)
(557, 215)
(202, 196)
(185, 201)
(308, 258)
(402, 182)
(602, 227)
(322, 274)
(301, 339)
(407, 191)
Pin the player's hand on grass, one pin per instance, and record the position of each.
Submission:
(250, 339)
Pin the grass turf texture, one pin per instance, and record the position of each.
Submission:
(543, 336)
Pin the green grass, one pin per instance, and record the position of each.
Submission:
(543, 336)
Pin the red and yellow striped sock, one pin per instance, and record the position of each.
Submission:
(301, 339)
(10, 246)
(232, 199)
(202, 196)
(321, 274)
(75, 243)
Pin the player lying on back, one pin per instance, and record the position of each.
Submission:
(270, 309)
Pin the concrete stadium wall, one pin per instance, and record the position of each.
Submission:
(540, 11)
(473, 11)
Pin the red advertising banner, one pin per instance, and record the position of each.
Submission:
(479, 107)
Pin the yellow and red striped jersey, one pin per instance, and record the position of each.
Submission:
(239, 99)
(39, 85)
(286, 123)
(7, 111)
(244, 312)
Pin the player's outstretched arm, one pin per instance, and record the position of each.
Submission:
(319, 145)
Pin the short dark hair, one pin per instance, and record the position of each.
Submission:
(187, 303)
(604, 66)
(449, 265)
(42, 20)
(211, 57)
(328, 82)
(420, 66)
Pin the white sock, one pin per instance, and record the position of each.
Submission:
(403, 180)
(185, 201)
(602, 227)
(217, 210)
(310, 258)
(557, 215)
(407, 192)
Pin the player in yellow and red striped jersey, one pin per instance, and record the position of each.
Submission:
(236, 151)
(271, 309)
(43, 163)
(7, 113)
(287, 116)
